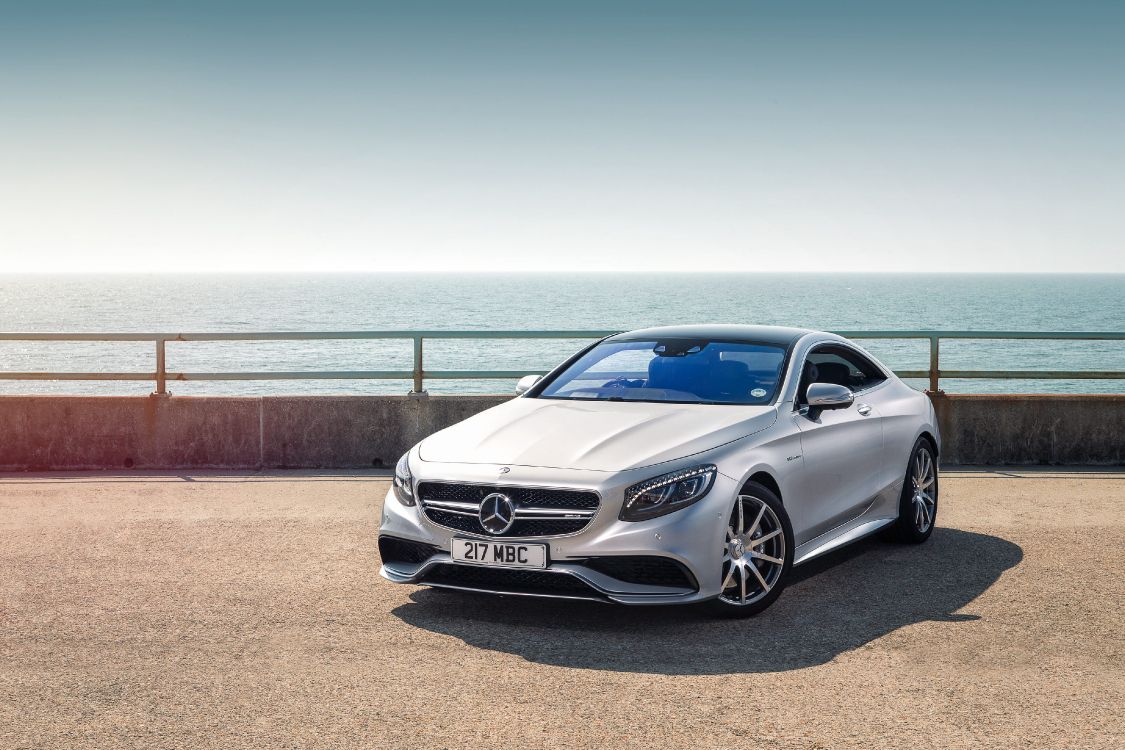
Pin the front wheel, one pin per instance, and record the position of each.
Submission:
(757, 553)
(917, 509)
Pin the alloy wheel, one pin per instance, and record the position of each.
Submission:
(922, 479)
(753, 553)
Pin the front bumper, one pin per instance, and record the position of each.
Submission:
(691, 538)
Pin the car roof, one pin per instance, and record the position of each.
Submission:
(775, 335)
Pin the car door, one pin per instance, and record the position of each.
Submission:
(842, 449)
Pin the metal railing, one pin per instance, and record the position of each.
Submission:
(418, 374)
(934, 374)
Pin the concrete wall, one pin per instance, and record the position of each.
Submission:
(80, 432)
(1032, 429)
(98, 432)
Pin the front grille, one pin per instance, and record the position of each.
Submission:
(537, 509)
(454, 521)
(547, 526)
(531, 497)
(648, 570)
(530, 527)
(508, 581)
(392, 550)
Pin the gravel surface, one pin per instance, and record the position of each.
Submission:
(228, 611)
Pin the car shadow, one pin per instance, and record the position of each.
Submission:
(831, 605)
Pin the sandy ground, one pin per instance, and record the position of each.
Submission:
(221, 611)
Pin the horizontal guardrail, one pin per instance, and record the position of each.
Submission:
(418, 374)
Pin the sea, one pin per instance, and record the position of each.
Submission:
(171, 303)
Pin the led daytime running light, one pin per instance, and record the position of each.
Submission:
(639, 489)
(667, 492)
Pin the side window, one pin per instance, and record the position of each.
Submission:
(839, 365)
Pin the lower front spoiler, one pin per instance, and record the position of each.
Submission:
(561, 580)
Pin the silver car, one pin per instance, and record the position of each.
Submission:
(668, 465)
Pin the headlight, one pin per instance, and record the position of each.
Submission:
(666, 493)
(404, 482)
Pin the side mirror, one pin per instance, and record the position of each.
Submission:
(822, 396)
(525, 383)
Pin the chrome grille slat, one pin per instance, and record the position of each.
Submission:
(453, 507)
(539, 511)
(553, 513)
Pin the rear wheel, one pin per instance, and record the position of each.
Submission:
(917, 510)
(757, 553)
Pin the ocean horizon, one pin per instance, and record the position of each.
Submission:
(543, 301)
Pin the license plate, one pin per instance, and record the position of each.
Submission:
(501, 554)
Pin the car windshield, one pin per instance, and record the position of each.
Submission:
(674, 371)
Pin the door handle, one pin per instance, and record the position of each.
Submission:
(863, 409)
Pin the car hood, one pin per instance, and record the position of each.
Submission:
(593, 435)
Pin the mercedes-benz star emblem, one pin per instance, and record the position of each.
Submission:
(497, 513)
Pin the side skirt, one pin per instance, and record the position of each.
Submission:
(838, 538)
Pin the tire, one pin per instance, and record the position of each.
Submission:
(765, 541)
(917, 508)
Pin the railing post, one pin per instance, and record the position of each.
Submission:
(161, 370)
(418, 372)
(934, 386)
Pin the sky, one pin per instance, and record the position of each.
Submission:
(562, 136)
